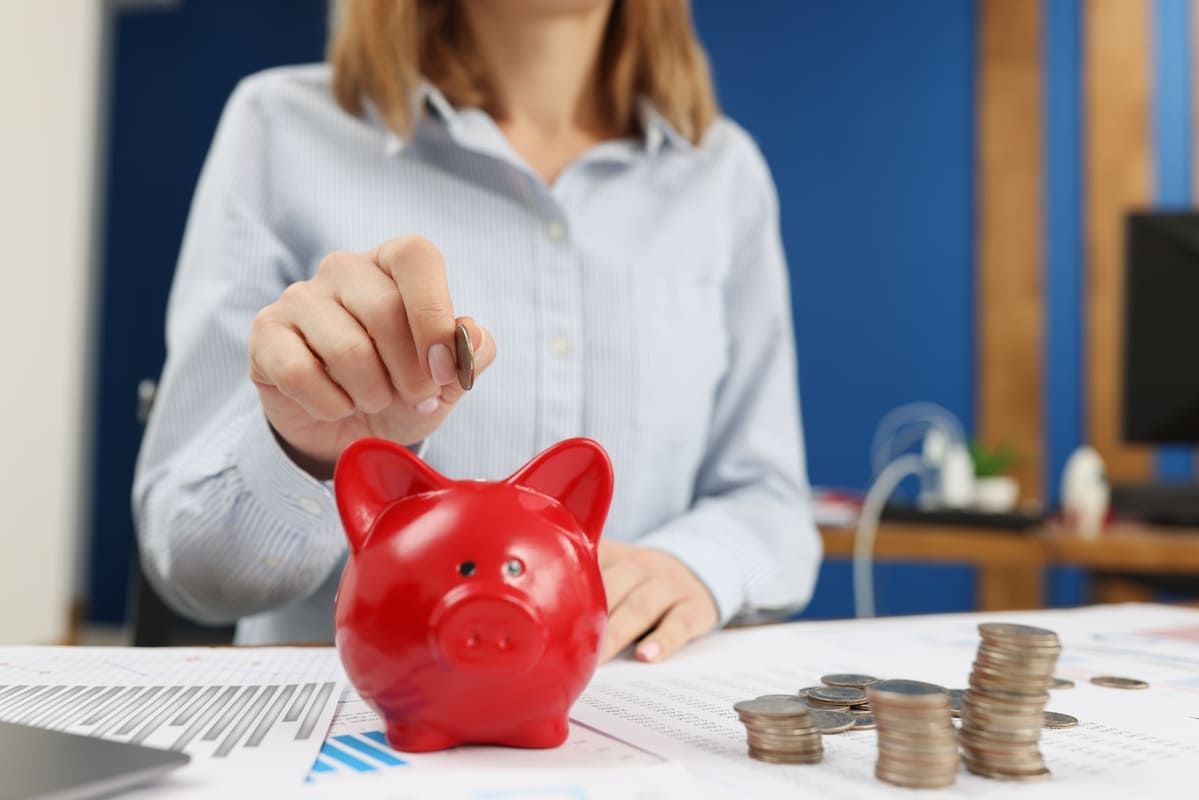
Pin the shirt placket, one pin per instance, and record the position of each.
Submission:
(560, 341)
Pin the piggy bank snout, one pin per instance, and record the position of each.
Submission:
(488, 629)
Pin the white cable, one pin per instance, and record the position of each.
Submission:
(920, 417)
(863, 542)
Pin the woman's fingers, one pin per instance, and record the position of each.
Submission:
(653, 597)
(348, 353)
(636, 612)
(372, 332)
(370, 296)
(684, 621)
(281, 359)
(417, 269)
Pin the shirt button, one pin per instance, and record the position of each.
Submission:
(560, 345)
(555, 230)
(311, 505)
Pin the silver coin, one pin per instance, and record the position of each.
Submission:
(852, 680)
(908, 690)
(866, 723)
(786, 758)
(768, 707)
(793, 698)
(810, 703)
(1116, 682)
(1053, 719)
(832, 721)
(1061, 683)
(1010, 630)
(804, 691)
(838, 695)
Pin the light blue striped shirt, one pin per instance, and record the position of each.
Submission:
(641, 300)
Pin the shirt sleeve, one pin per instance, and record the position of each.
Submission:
(750, 535)
(227, 524)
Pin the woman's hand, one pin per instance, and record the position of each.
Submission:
(649, 590)
(364, 348)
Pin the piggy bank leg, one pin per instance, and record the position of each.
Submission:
(541, 734)
(418, 738)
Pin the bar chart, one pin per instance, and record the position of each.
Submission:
(212, 705)
(357, 746)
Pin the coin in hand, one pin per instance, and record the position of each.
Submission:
(465, 354)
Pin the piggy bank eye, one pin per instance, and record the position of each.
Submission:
(466, 569)
(513, 567)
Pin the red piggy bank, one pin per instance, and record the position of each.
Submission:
(471, 611)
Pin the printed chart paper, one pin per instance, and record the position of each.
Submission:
(241, 714)
(1127, 742)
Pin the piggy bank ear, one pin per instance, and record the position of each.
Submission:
(576, 473)
(371, 474)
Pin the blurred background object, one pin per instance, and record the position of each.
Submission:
(51, 163)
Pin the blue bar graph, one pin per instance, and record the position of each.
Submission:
(355, 752)
(381, 754)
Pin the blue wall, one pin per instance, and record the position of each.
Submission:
(173, 72)
(865, 112)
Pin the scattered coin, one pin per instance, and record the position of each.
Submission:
(1062, 683)
(866, 723)
(1053, 719)
(794, 698)
(831, 721)
(917, 743)
(810, 703)
(780, 730)
(838, 695)
(1003, 710)
(465, 352)
(804, 691)
(1116, 682)
(852, 680)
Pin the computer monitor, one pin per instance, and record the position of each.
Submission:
(1161, 384)
(1161, 328)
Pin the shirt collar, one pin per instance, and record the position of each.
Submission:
(656, 130)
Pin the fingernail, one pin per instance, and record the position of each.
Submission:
(427, 406)
(441, 365)
(649, 651)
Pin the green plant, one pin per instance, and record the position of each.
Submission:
(990, 462)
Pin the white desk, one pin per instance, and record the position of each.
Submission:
(663, 731)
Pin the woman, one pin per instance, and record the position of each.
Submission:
(558, 170)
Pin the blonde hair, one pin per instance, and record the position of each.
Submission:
(382, 49)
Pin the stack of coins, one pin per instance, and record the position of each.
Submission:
(780, 730)
(1002, 710)
(917, 744)
(844, 695)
